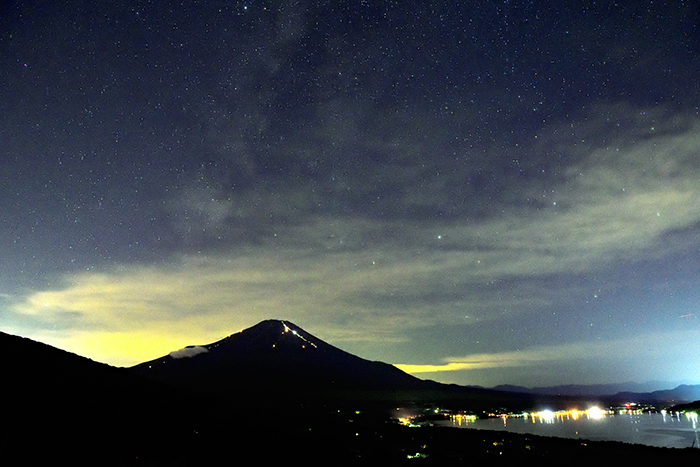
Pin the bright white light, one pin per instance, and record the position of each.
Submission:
(595, 413)
(547, 416)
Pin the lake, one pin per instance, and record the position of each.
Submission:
(652, 429)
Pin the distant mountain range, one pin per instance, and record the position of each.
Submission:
(632, 391)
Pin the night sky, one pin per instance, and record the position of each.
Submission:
(479, 192)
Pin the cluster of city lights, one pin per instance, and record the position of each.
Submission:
(544, 416)
(549, 416)
(461, 418)
(692, 416)
(406, 421)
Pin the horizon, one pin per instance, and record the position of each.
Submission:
(484, 193)
(648, 385)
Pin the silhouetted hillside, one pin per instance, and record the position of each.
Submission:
(689, 407)
(58, 405)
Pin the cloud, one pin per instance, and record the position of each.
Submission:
(635, 351)
(526, 358)
(188, 352)
(616, 200)
(355, 277)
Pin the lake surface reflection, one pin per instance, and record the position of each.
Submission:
(652, 429)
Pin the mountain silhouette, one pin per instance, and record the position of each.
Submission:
(275, 356)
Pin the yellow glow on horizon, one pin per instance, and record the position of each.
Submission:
(454, 366)
(123, 348)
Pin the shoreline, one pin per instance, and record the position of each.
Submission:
(451, 444)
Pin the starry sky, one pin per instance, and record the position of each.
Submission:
(478, 192)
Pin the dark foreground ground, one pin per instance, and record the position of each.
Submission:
(365, 439)
(358, 443)
(274, 435)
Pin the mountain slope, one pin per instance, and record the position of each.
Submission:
(274, 356)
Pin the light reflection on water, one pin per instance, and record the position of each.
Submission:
(653, 429)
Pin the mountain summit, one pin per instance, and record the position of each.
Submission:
(271, 357)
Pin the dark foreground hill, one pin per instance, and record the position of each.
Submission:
(58, 405)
